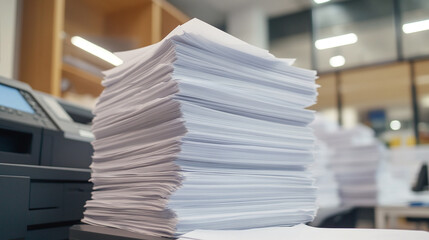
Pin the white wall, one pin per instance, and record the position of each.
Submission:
(248, 23)
(7, 37)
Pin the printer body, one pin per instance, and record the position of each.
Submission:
(44, 163)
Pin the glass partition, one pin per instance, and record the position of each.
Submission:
(421, 72)
(380, 97)
(354, 33)
(290, 37)
(415, 27)
(327, 101)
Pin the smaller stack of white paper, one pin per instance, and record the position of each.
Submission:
(327, 185)
(356, 169)
(355, 159)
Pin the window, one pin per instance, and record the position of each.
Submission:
(364, 32)
(421, 72)
(327, 103)
(415, 27)
(379, 97)
(290, 37)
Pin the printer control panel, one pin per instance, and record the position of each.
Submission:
(34, 132)
(19, 105)
(39, 115)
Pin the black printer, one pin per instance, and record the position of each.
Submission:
(45, 153)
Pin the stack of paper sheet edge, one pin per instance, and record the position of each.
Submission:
(202, 131)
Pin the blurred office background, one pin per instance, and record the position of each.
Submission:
(372, 56)
(378, 76)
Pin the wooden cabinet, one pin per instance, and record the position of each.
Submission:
(50, 63)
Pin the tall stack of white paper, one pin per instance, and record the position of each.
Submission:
(202, 131)
(355, 160)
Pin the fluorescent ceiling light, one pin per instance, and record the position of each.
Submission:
(321, 1)
(96, 50)
(337, 61)
(395, 125)
(336, 41)
(416, 26)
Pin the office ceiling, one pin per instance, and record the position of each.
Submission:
(215, 11)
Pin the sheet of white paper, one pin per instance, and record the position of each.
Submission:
(303, 232)
(198, 27)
